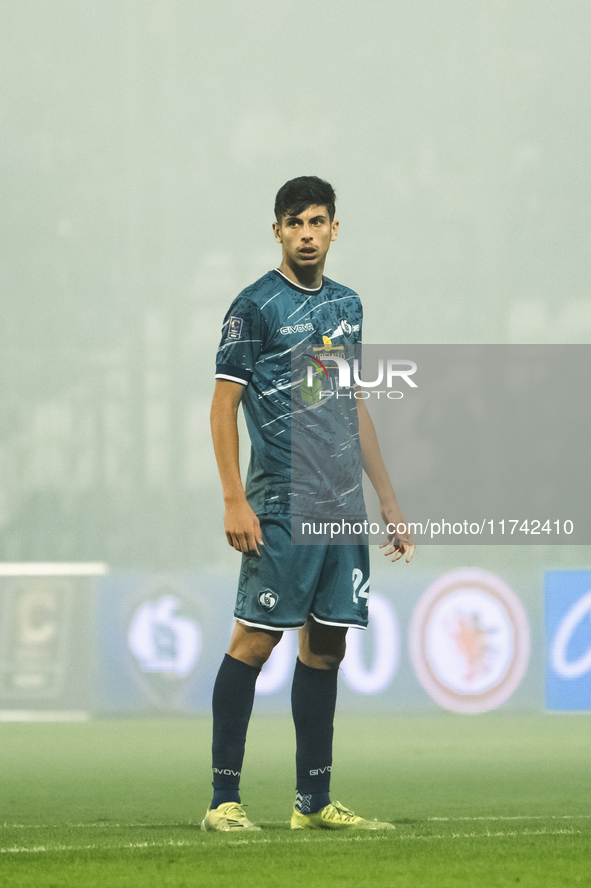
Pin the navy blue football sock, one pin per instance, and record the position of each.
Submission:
(233, 696)
(313, 701)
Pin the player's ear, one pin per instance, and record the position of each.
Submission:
(334, 229)
(277, 232)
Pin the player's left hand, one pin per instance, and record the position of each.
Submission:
(400, 540)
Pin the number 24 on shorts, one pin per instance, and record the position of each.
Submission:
(363, 592)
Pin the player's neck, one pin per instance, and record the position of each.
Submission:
(308, 278)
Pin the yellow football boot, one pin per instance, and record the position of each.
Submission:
(334, 816)
(226, 818)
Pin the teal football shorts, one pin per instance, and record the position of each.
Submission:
(284, 585)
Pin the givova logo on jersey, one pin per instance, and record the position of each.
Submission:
(568, 637)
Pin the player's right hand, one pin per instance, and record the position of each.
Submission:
(243, 530)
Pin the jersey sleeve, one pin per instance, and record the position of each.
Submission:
(241, 342)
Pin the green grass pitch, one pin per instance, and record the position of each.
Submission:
(484, 800)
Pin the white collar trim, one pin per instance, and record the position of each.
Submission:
(299, 286)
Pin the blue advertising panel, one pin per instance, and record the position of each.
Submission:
(160, 638)
(460, 641)
(568, 640)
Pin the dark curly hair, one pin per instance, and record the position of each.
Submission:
(298, 194)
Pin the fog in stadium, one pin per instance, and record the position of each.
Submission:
(143, 143)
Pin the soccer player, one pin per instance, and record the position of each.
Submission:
(284, 586)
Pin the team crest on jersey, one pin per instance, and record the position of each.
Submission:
(235, 328)
(345, 329)
(268, 599)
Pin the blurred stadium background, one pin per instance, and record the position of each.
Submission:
(143, 143)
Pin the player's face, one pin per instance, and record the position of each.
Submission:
(306, 238)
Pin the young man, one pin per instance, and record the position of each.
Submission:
(284, 586)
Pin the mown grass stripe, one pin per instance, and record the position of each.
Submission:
(188, 824)
(259, 841)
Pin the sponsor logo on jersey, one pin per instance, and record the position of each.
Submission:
(268, 599)
(235, 328)
(469, 641)
(297, 328)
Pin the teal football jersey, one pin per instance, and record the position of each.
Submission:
(264, 326)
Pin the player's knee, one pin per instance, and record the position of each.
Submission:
(333, 659)
(327, 657)
(254, 648)
(263, 650)
(322, 647)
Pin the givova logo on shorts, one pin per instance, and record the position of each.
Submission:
(469, 641)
